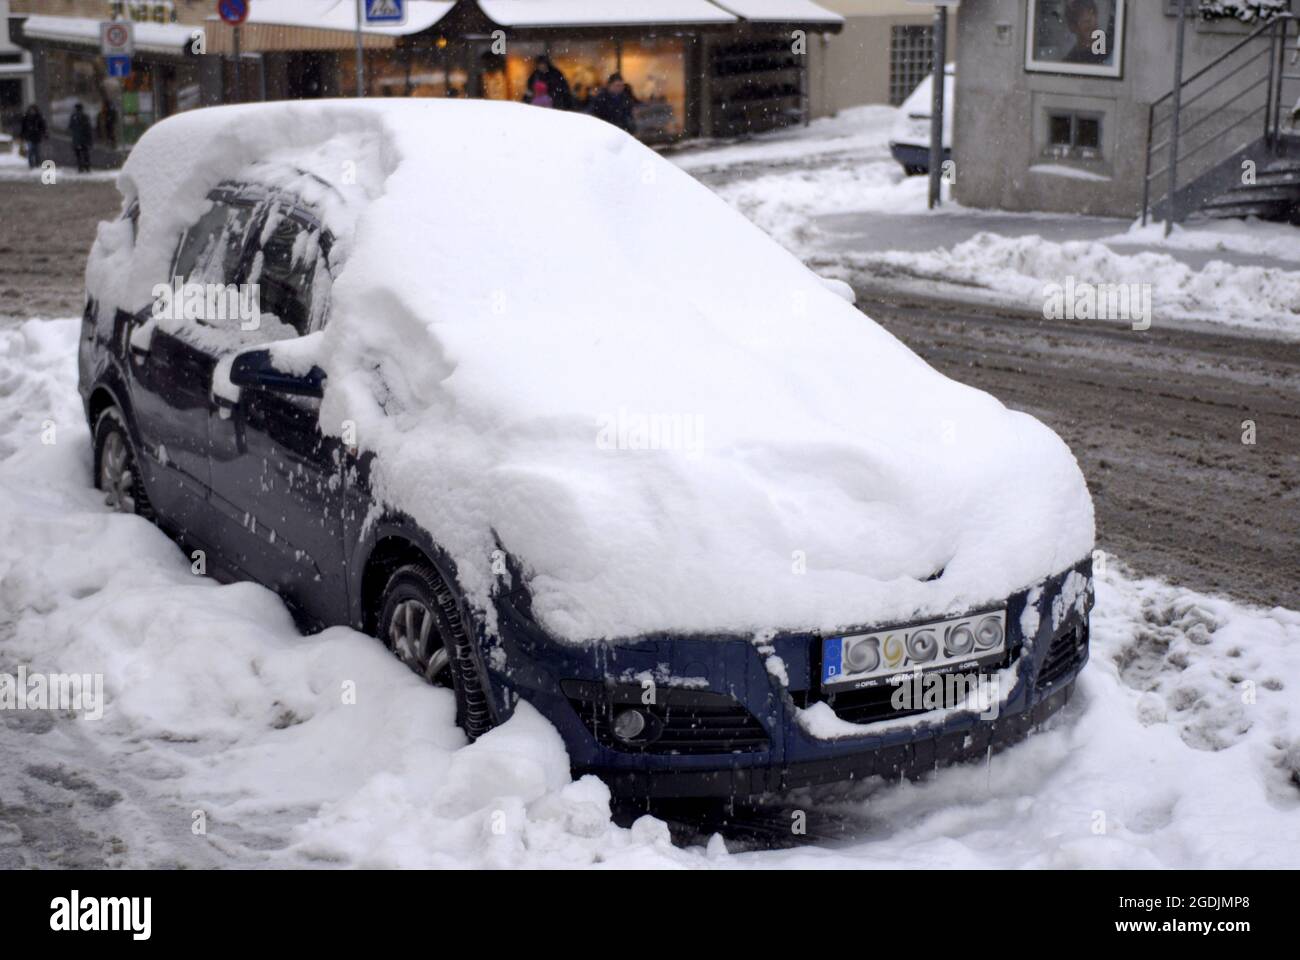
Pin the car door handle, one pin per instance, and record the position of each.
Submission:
(228, 410)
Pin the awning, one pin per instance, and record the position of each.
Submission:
(780, 11)
(342, 15)
(602, 13)
(170, 39)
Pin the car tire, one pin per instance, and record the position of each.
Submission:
(116, 467)
(422, 623)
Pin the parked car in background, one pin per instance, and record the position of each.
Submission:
(909, 141)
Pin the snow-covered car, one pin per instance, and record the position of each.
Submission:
(909, 140)
(509, 391)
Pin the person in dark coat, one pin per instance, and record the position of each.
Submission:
(32, 132)
(82, 135)
(557, 86)
(108, 118)
(614, 104)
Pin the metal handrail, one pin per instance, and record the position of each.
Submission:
(1266, 54)
(1278, 29)
(1155, 174)
(1211, 115)
(1236, 123)
(1262, 28)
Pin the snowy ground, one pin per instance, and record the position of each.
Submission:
(832, 193)
(1181, 748)
(14, 167)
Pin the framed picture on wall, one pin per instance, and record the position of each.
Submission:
(1082, 37)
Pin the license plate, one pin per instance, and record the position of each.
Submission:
(859, 660)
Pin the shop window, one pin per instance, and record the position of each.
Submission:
(426, 71)
(655, 72)
(585, 65)
(911, 60)
(756, 85)
(1074, 135)
(74, 78)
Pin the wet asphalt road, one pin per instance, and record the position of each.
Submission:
(1155, 420)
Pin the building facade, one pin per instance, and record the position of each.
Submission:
(884, 50)
(696, 68)
(1055, 98)
(15, 76)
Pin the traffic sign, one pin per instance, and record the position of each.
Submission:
(118, 66)
(117, 38)
(385, 12)
(234, 12)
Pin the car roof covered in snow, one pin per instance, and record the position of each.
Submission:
(558, 341)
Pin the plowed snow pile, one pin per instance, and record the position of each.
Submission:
(528, 297)
(1181, 749)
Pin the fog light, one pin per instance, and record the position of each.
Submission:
(629, 725)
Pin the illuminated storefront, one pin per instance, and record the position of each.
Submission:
(691, 67)
(68, 70)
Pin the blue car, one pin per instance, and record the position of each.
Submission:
(233, 430)
(909, 140)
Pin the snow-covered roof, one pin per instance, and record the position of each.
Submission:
(342, 15)
(670, 421)
(170, 38)
(577, 13)
(780, 11)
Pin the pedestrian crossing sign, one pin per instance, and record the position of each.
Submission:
(385, 12)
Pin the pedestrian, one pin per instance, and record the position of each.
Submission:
(614, 103)
(557, 86)
(108, 117)
(541, 98)
(82, 135)
(32, 132)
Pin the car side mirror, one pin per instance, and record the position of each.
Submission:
(256, 368)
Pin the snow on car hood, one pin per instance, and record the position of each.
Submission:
(555, 340)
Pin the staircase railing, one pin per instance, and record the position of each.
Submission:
(1216, 104)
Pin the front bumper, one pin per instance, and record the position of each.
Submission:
(730, 727)
(915, 156)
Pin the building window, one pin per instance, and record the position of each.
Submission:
(1075, 136)
(911, 59)
(1084, 37)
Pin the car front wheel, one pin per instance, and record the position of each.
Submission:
(116, 469)
(422, 624)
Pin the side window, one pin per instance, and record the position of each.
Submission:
(210, 251)
(289, 269)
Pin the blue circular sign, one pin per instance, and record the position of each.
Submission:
(234, 12)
